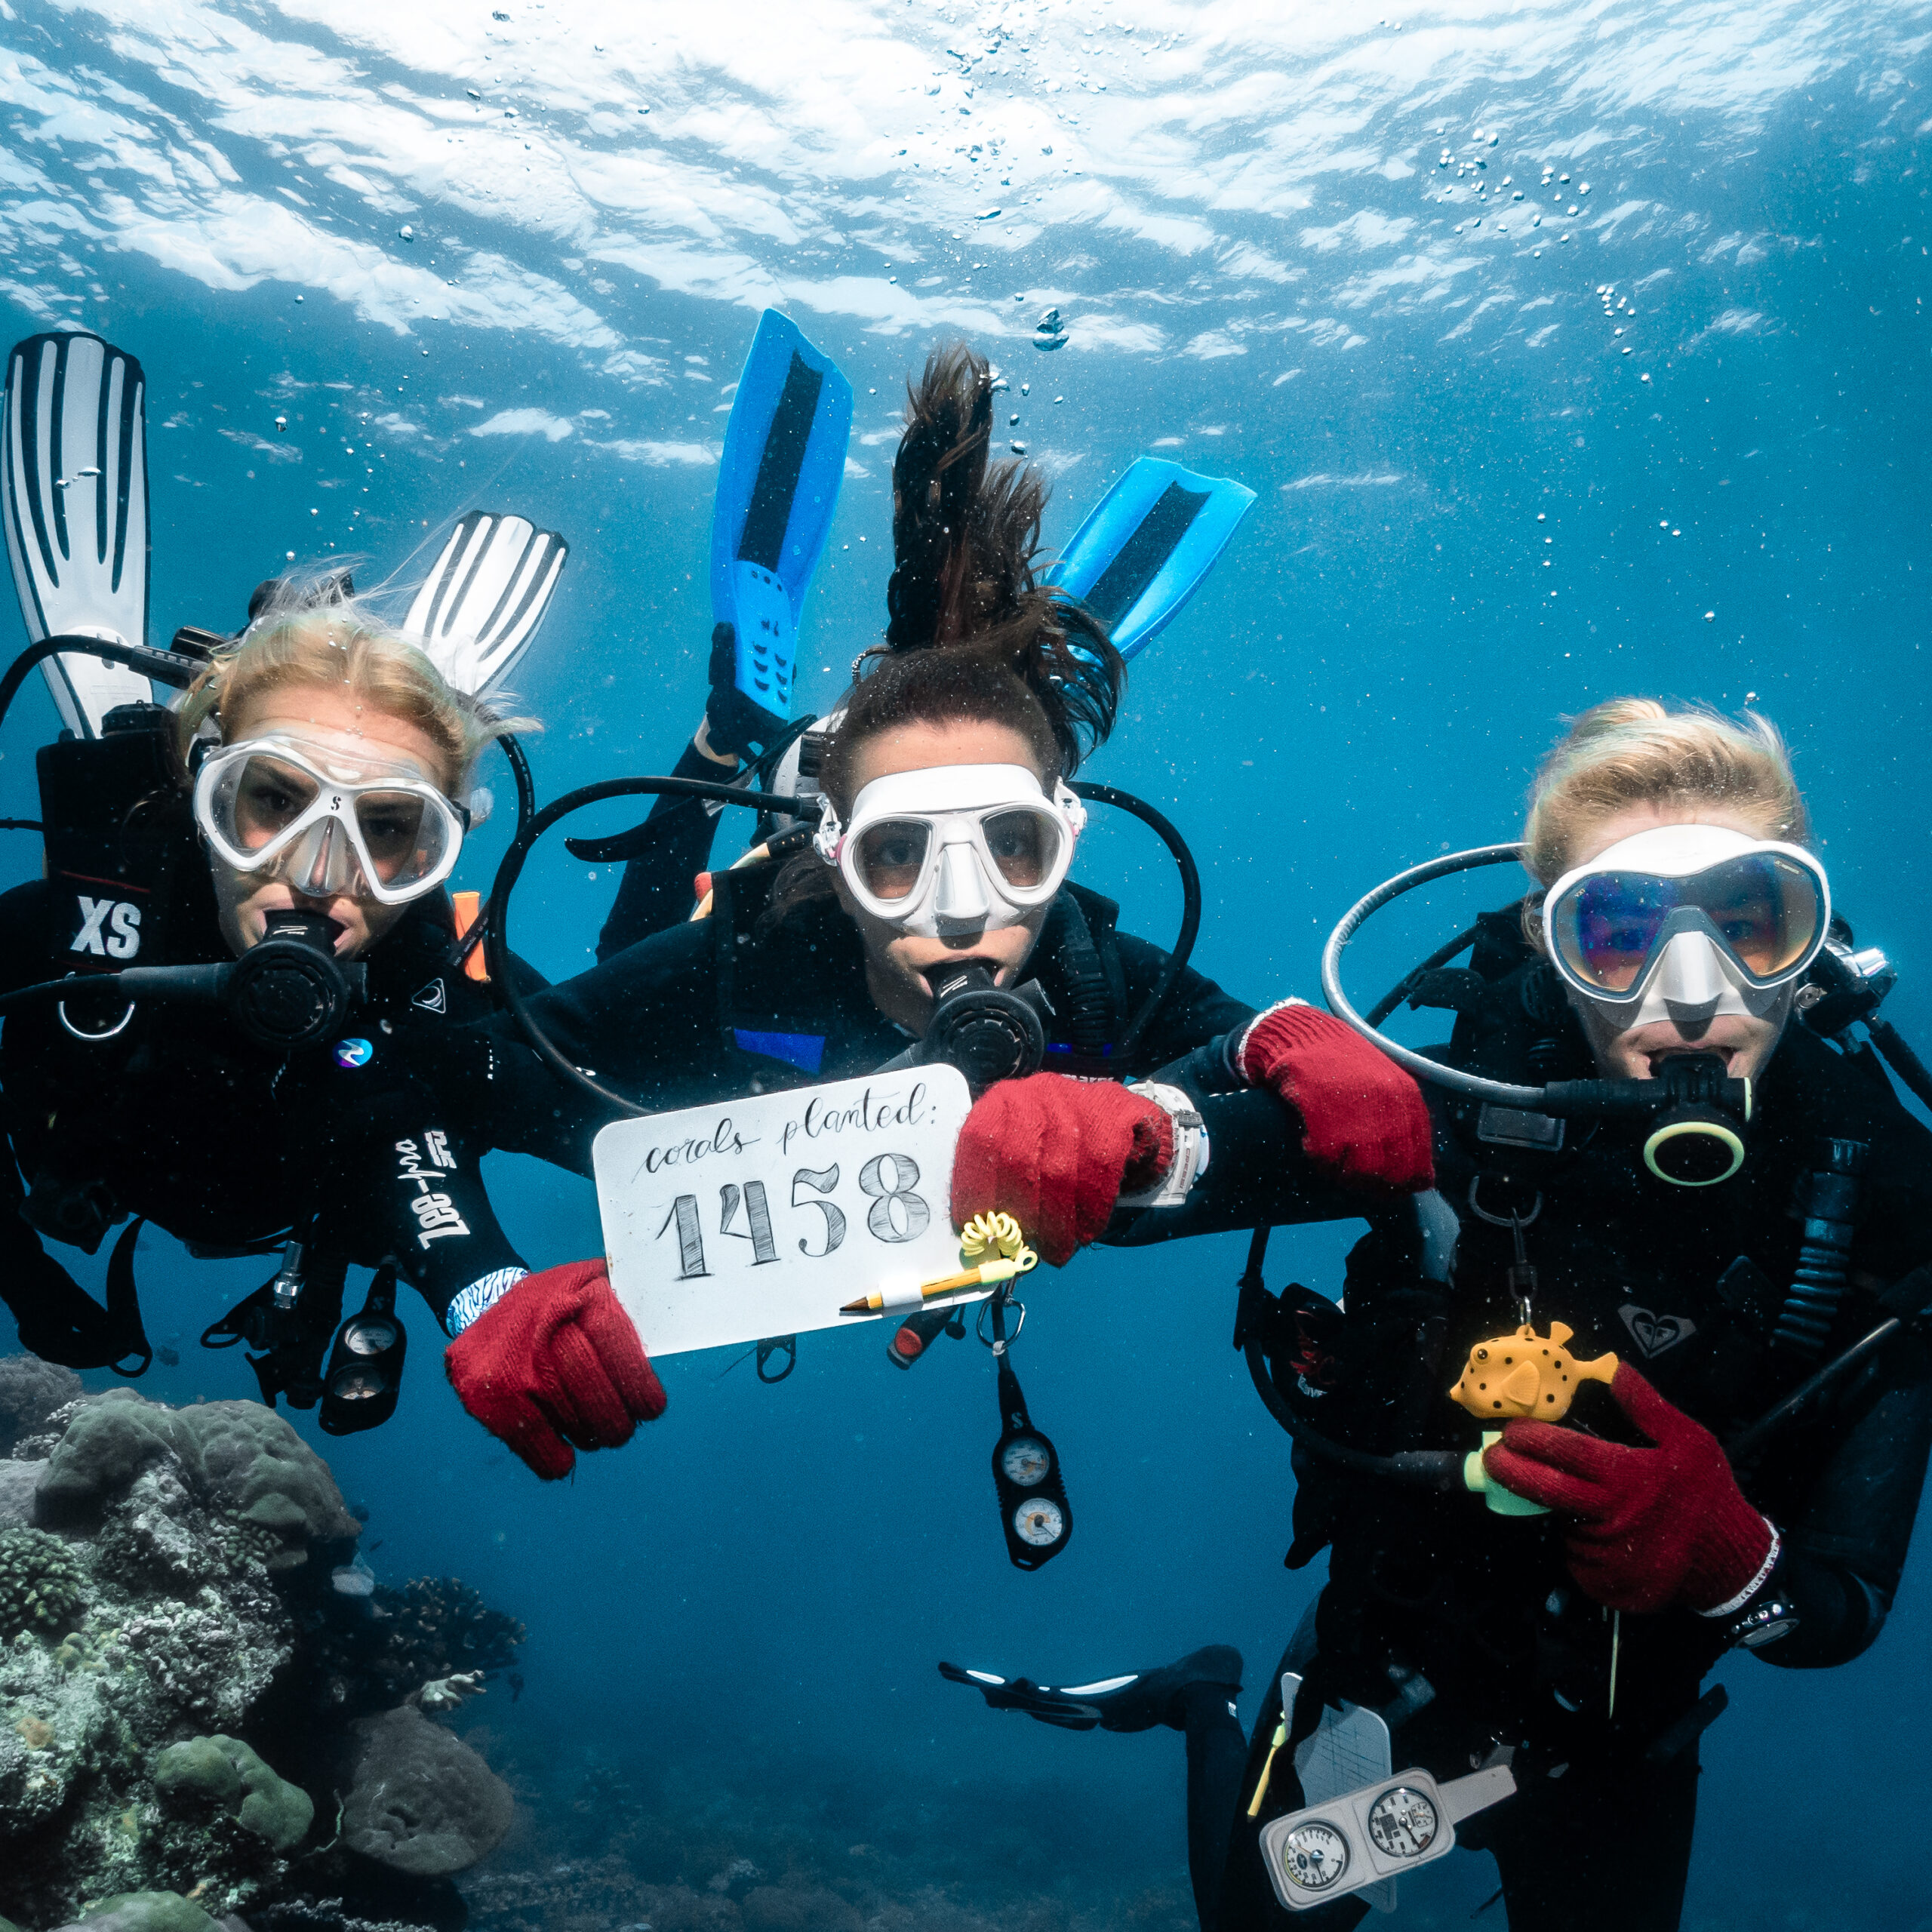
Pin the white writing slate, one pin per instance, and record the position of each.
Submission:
(761, 1216)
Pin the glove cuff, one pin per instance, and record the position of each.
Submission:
(1254, 1052)
(1732, 1605)
(481, 1295)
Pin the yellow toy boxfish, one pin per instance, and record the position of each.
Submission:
(1524, 1374)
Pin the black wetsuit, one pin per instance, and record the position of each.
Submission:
(1435, 1591)
(180, 1119)
(714, 1008)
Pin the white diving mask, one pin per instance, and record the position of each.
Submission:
(954, 849)
(1683, 923)
(372, 828)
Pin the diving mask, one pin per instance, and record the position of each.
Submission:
(954, 848)
(1684, 922)
(372, 828)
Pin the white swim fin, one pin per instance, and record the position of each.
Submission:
(478, 609)
(74, 496)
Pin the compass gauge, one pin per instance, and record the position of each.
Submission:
(1403, 1823)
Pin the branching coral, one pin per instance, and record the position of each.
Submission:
(42, 1584)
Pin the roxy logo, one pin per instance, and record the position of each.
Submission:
(110, 928)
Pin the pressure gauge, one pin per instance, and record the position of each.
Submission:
(1316, 1854)
(1033, 1508)
(1402, 1823)
(1039, 1522)
(1350, 1839)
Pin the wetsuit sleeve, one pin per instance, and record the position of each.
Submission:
(410, 1188)
(644, 1023)
(1195, 1012)
(656, 891)
(1257, 1172)
(57, 1320)
(23, 922)
(1853, 1491)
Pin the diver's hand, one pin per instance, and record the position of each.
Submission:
(733, 722)
(1362, 1117)
(1057, 1154)
(555, 1362)
(1649, 1528)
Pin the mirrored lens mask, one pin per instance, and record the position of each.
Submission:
(1690, 904)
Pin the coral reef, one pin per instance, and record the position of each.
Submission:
(147, 1911)
(440, 1627)
(205, 1775)
(173, 1717)
(31, 1391)
(243, 1458)
(422, 1801)
(41, 1583)
(804, 1846)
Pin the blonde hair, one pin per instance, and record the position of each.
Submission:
(300, 643)
(1634, 751)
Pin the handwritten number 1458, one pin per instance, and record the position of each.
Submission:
(896, 1214)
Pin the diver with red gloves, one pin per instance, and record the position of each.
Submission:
(1663, 1139)
(933, 901)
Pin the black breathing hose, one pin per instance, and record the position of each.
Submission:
(1190, 919)
(496, 916)
(163, 667)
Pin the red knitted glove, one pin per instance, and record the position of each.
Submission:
(556, 1361)
(1056, 1154)
(1651, 1527)
(1362, 1116)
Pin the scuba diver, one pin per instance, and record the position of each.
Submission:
(929, 914)
(233, 895)
(1664, 1149)
(1134, 561)
(307, 840)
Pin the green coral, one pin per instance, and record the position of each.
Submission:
(226, 1774)
(41, 1584)
(146, 1911)
(243, 1458)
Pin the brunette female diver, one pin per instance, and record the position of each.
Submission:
(947, 844)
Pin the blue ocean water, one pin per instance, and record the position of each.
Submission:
(1654, 426)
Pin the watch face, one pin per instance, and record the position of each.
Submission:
(1316, 1855)
(1039, 1521)
(1025, 1460)
(1402, 1823)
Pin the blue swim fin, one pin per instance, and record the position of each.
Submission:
(1147, 545)
(74, 496)
(778, 485)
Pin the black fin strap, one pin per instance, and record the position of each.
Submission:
(124, 1306)
(59, 1321)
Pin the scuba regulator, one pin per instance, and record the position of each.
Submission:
(1692, 1116)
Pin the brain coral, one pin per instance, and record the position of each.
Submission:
(423, 1801)
(30, 1391)
(244, 1459)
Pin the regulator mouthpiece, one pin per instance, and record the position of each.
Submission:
(989, 1034)
(290, 990)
